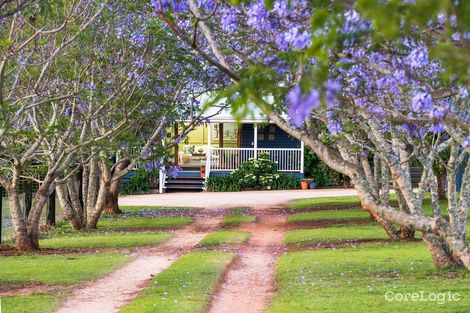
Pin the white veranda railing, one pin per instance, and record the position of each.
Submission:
(228, 159)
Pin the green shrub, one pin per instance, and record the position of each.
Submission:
(259, 173)
(286, 182)
(140, 182)
(316, 169)
(222, 183)
(254, 174)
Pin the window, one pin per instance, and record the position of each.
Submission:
(272, 131)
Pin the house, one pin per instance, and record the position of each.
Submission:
(220, 145)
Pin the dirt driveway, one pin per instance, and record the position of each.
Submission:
(231, 199)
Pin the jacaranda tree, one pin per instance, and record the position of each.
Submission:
(386, 89)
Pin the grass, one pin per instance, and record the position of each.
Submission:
(225, 237)
(299, 204)
(185, 287)
(327, 214)
(301, 237)
(145, 222)
(37, 303)
(105, 240)
(58, 269)
(157, 208)
(358, 278)
(235, 219)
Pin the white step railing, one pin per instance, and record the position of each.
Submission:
(228, 159)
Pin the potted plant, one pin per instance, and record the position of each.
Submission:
(202, 171)
(304, 183)
(313, 184)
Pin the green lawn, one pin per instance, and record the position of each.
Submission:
(58, 269)
(299, 204)
(225, 237)
(235, 219)
(145, 222)
(105, 240)
(37, 303)
(327, 214)
(157, 208)
(358, 278)
(301, 237)
(185, 287)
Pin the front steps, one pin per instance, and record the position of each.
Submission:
(189, 179)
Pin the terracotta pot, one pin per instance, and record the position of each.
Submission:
(304, 185)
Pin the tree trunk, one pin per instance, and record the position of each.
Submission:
(407, 233)
(440, 252)
(92, 222)
(1, 213)
(387, 226)
(28, 197)
(50, 220)
(71, 211)
(104, 182)
(385, 184)
(111, 204)
(441, 186)
(23, 237)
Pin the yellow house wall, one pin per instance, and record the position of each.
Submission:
(198, 137)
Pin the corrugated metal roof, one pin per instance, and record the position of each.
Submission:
(219, 114)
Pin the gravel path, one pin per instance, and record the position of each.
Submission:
(231, 199)
(111, 292)
(249, 284)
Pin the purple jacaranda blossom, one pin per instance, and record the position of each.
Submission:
(293, 38)
(333, 124)
(421, 101)
(400, 77)
(437, 128)
(68, 112)
(149, 166)
(178, 140)
(257, 15)
(301, 106)
(138, 39)
(139, 62)
(353, 22)
(418, 57)
(176, 6)
(456, 36)
(441, 17)
(439, 111)
(173, 171)
(229, 20)
(466, 142)
(332, 87)
(376, 111)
